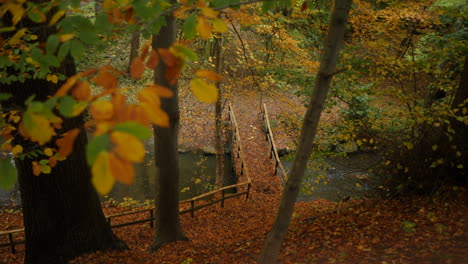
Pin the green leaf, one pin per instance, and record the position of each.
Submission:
(77, 49)
(188, 53)
(95, 146)
(5, 96)
(190, 26)
(268, 5)
(44, 162)
(7, 174)
(102, 24)
(66, 106)
(52, 44)
(135, 129)
(88, 37)
(63, 50)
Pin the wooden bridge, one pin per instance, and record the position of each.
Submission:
(198, 202)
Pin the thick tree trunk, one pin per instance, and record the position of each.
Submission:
(218, 116)
(327, 69)
(166, 153)
(62, 212)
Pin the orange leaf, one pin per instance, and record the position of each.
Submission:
(204, 29)
(101, 110)
(81, 91)
(137, 68)
(52, 162)
(153, 60)
(209, 12)
(121, 169)
(210, 75)
(162, 91)
(127, 146)
(167, 56)
(145, 49)
(37, 168)
(106, 79)
(63, 90)
(173, 72)
(66, 37)
(65, 144)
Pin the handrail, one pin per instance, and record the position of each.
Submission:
(192, 209)
(274, 150)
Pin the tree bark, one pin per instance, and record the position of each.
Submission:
(134, 47)
(168, 228)
(327, 69)
(219, 115)
(61, 211)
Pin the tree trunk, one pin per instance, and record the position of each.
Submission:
(166, 153)
(219, 115)
(61, 210)
(327, 69)
(134, 47)
(98, 7)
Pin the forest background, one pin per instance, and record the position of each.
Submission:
(400, 90)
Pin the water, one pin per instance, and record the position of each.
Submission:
(345, 178)
(197, 176)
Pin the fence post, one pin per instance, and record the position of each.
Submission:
(151, 224)
(12, 243)
(192, 206)
(222, 198)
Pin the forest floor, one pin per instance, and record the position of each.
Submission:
(405, 230)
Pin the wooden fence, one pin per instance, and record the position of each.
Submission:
(236, 141)
(279, 169)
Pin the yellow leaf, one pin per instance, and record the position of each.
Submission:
(16, 39)
(52, 77)
(209, 12)
(357, 185)
(17, 11)
(127, 146)
(46, 169)
(67, 85)
(16, 150)
(219, 26)
(205, 92)
(56, 17)
(210, 75)
(102, 177)
(101, 110)
(137, 68)
(66, 37)
(48, 152)
(204, 29)
(40, 129)
(156, 115)
(121, 169)
(150, 96)
(79, 108)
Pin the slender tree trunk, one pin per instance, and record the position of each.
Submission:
(219, 115)
(166, 153)
(98, 6)
(134, 47)
(327, 69)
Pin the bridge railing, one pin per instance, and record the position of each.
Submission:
(238, 151)
(279, 169)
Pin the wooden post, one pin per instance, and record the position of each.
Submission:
(192, 206)
(12, 243)
(222, 198)
(151, 224)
